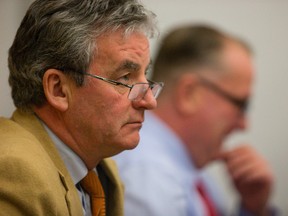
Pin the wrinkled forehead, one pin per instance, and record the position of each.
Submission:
(118, 52)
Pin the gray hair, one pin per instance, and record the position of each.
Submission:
(62, 34)
(190, 46)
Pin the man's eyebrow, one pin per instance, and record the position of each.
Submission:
(128, 66)
(133, 67)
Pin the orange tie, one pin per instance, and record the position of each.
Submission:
(206, 199)
(92, 185)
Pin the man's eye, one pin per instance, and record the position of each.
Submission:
(125, 78)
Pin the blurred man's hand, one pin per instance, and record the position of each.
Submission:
(252, 177)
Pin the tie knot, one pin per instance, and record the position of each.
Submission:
(200, 187)
(92, 185)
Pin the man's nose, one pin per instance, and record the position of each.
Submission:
(147, 102)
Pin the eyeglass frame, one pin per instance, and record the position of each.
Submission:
(116, 83)
(241, 104)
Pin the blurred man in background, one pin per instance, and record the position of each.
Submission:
(208, 77)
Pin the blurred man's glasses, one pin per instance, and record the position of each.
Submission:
(137, 90)
(242, 104)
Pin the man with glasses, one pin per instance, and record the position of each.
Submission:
(78, 78)
(208, 77)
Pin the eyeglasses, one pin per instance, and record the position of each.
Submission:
(137, 90)
(242, 104)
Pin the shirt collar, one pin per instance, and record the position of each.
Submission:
(73, 162)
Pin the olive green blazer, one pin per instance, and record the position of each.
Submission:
(33, 177)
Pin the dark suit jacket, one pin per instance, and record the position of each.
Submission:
(33, 177)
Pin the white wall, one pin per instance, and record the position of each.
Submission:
(263, 23)
(11, 13)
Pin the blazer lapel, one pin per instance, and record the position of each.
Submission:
(32, 124)
(115, 189)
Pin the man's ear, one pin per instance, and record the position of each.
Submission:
(187, 94)
(56, 88)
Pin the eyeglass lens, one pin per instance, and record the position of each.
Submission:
(139, 90)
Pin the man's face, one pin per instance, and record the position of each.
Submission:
(103, 119)
(219, 116)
